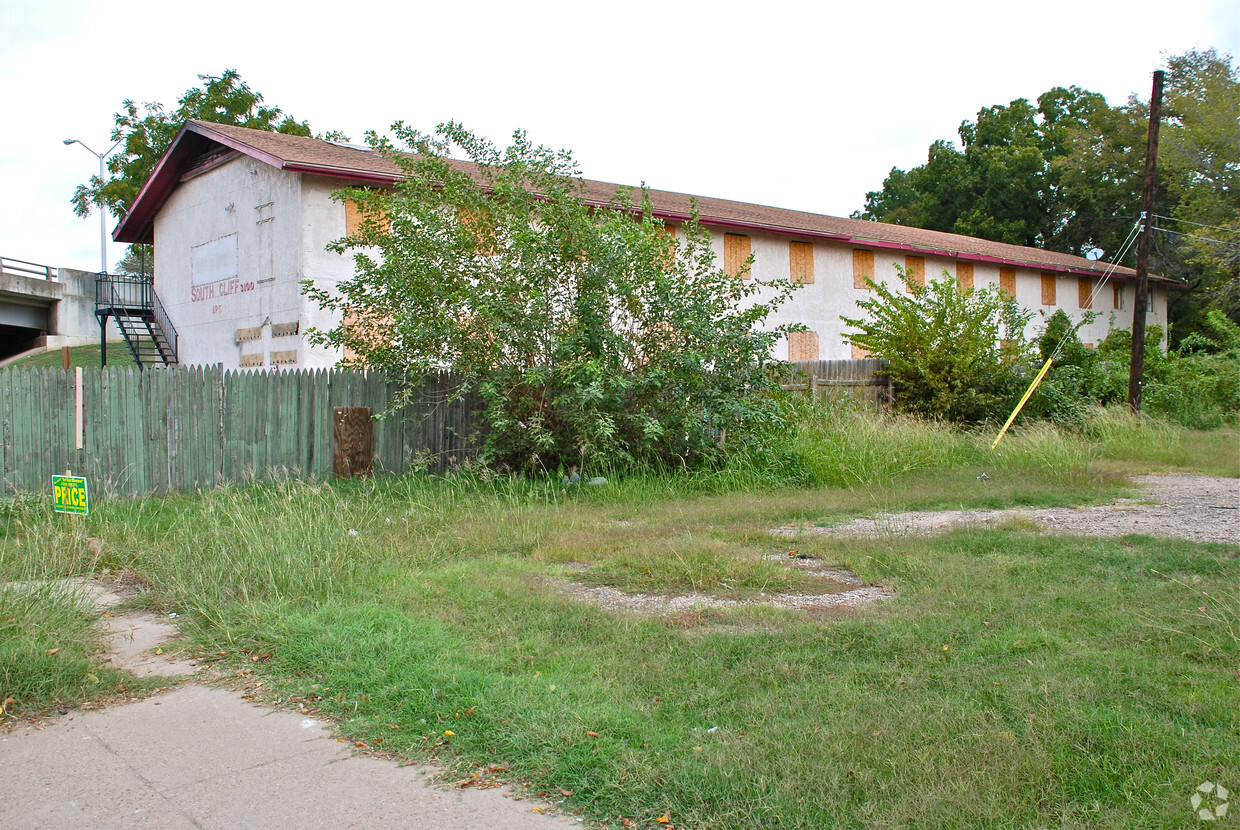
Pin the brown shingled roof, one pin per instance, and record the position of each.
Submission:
(350, 164)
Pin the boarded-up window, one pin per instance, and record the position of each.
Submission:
(863, 267)
(736, 254)
(1085, 291)
(669, 257)
(354, 217)
(480, 227)
(802, 345)
(915, 268)
(964, 276)
(859, 353)
(801, 264)
(1007, 281)
(1048, 288)
(1117, 299)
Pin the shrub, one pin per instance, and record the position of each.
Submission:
(593, 337)
(957, 355)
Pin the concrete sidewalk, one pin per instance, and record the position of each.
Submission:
(202, 757)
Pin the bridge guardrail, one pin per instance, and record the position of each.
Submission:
(31, 270)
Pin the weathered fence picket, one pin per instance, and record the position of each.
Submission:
(864, 377)
(187, 428)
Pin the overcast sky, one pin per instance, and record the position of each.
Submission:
(797, 105)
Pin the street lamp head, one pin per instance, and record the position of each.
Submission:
(70, 140)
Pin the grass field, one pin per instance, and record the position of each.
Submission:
(84, 356)
(1016, 679)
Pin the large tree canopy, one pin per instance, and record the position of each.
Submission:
(1007, 180)
(146, 131)
(592, 335)
(1066, 175)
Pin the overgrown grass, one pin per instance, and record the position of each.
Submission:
(1017, 679)
(48, 636)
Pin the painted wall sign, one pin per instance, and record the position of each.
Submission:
(214, 261)
(218, 290)
(70, 495)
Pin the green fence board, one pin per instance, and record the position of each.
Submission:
(189, 428)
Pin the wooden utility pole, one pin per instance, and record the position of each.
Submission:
(1137, 366)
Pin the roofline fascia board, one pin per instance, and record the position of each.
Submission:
(1126, 274)
(712, 221)
(149, 185)
(340, 173)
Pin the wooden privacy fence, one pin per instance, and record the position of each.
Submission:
(187, 428)
(863, 377)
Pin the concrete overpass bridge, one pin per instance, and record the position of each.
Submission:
(42, 307)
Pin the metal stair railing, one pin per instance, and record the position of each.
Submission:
(132, 301)
(167, 341)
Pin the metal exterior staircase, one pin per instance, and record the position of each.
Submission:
(140, 317)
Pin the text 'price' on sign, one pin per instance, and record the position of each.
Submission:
(70, 495)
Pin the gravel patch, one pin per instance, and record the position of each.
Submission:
(1194, 507)
(852, 593)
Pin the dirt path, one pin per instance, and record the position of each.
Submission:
(202, 757)
(1193, 507)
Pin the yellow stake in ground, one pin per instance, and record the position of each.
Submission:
(1021, 405)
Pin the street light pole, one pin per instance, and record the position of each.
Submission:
(103, 209)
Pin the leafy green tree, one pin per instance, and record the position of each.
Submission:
(592, 336)
(1201, 176)
(147, 130)
(1066, 175)
(139, 260)
(955, 355)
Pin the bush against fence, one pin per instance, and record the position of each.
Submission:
(185, 428)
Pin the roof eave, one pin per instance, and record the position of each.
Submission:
(138, 224)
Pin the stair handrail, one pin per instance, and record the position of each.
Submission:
(138, 294)
(164, 325)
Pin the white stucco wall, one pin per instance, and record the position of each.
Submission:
(821, 304)
(242, 206)
(249, 312)
(254, 315)
(323, 222)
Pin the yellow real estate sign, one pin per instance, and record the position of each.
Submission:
(69, 495)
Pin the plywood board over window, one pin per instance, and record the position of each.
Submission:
(1007, 281)
(915, 269)
(863, 266)
(1048, 288)
(736, 249)
(964, 276)
(802, 345)
(859, 353)
(669, 252)
(801, 263)
(354, 217)
(1085, 292)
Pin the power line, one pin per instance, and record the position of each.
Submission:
(1106, 275)
(1188, 222)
